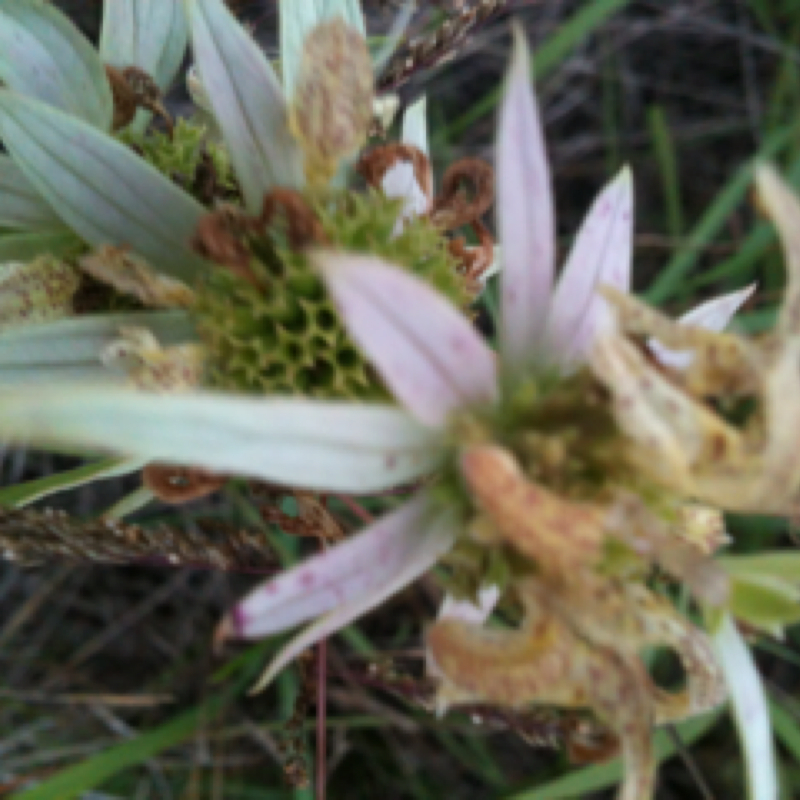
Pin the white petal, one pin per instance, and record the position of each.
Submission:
(359, 566)
(466, 610)
(415, 125)
(426, 351)
(69, 349)
(433, 542)
(99, 187)
(20, 203)
(525, 214)
(400, 182)
(713, 314)
(750, 710)
(149, 34)
(600, 255)
(43, 55)
(326, 446)
(247, 101)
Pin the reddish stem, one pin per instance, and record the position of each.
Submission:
(322, 691)
(357, 509)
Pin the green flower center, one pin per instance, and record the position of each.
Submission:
(284, 336)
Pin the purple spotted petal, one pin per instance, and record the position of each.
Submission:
(713, 314)
(358, 566)
(432, 539)
(525, 214)
(427, 352)
(600, 255)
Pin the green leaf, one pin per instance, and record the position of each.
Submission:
(149, 34)
(672, 276)
(20, 203)
(247, 101)
(764, 602)
(569, 35)
(24, 493)
(95, 770)
(782, 564)
(100, 188)
(27, 246)
(43, 55)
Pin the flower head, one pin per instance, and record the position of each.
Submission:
(530, 431)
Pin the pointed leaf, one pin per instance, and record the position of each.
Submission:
(20, 203)
(149, 34)
(357, 567)
(426, 351)
(43, 55)
(750, 710)
(22, 494)
(316, 445)
(525, 214)
(600, 255)
(100, 188)
(434, 540)
(27, 246)
(713, 314)
(247, 101)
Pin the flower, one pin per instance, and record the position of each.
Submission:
(486, 423)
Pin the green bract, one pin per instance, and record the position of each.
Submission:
(286, 337)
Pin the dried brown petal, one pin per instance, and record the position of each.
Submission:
(131, 274)
(152, 367)
(40, 290)
(331, 112)
(175, 484)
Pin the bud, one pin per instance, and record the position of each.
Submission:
(331, 111)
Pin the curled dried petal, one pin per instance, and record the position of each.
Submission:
(152, 367)
(559, 535)
(220, 237)
(467, 193)
(132, 88)
(41, 290)
(331, 113)
(175, 484)
(476, 261)
(130, 274)
(303, 226)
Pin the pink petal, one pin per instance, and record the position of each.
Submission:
(357, 567)
(432, 541)
(713, 314)
(600, 255)
(426, 351)
(525, 214)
